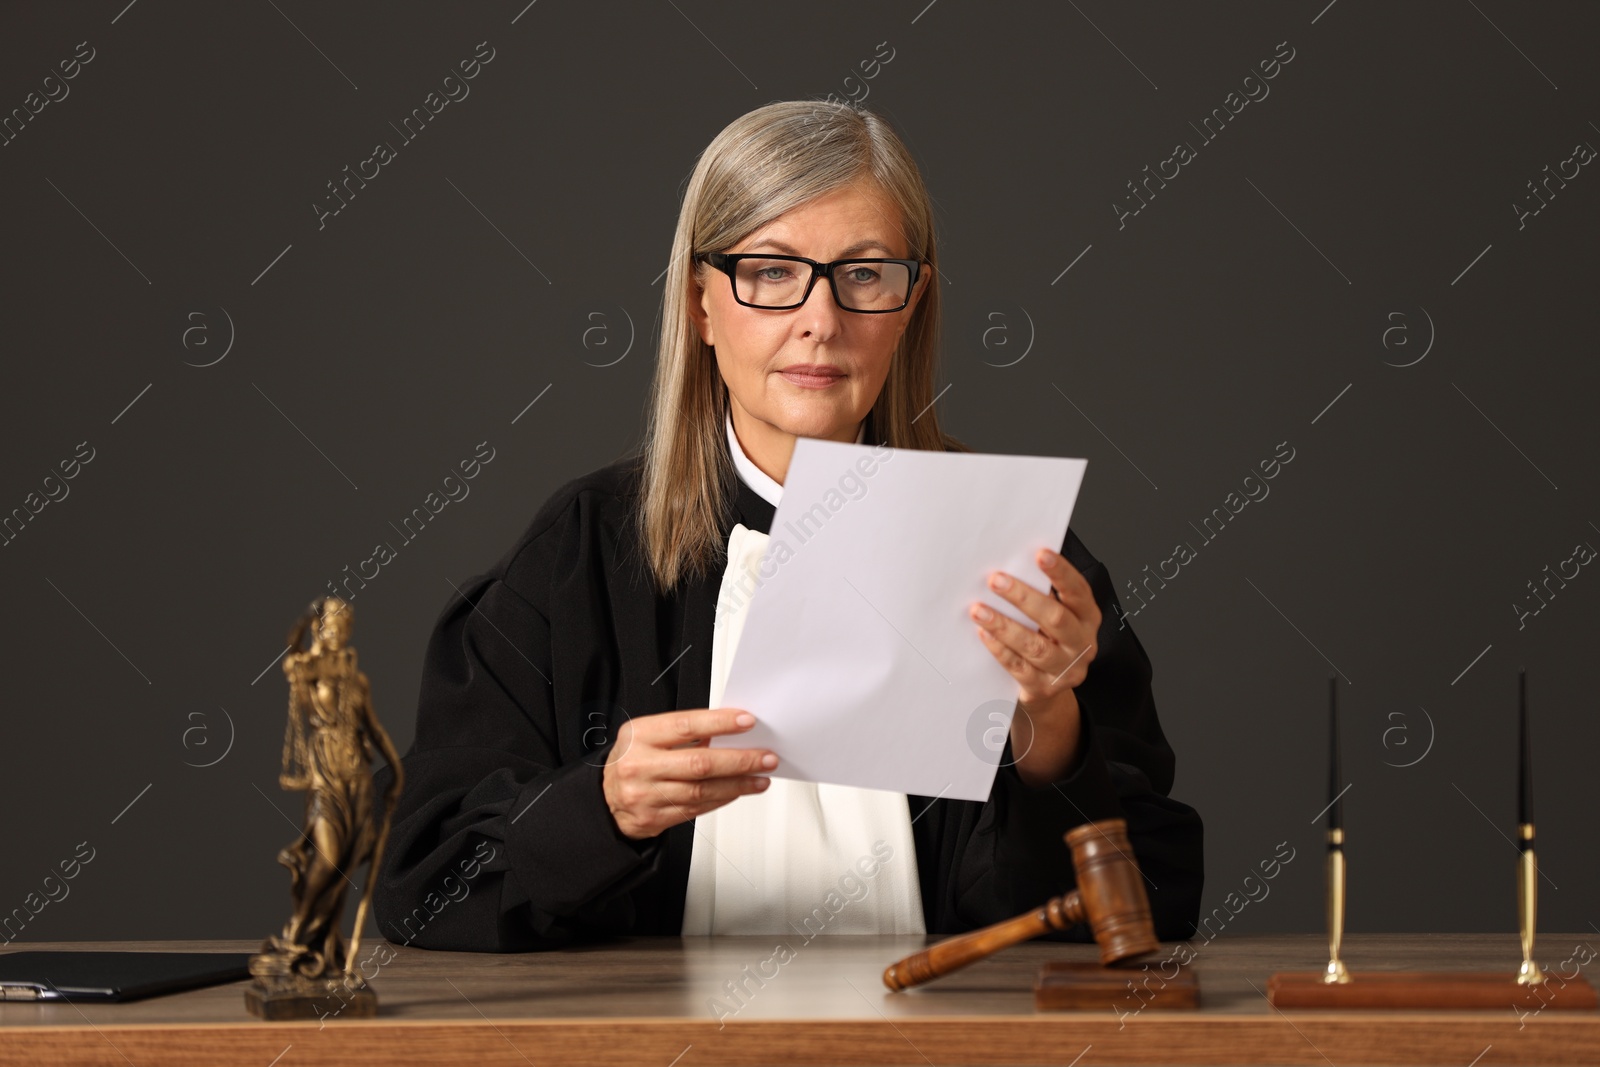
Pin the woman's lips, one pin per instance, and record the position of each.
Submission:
(807, 380)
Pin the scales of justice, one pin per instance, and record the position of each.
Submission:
(309, 970)
(1110, 897)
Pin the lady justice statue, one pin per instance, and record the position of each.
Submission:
(331, 737)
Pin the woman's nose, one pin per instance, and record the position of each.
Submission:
(821, 313)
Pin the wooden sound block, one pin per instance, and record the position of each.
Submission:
(1070, 985)
(1429, 991)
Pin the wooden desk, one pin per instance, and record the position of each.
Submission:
(647, 1002)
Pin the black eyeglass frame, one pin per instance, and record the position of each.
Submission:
(727, 261)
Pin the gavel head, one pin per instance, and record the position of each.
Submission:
(1111, 888)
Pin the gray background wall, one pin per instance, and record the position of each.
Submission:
(1342, 268)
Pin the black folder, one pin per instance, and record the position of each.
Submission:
(93, 975)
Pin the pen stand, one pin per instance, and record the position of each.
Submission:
(1526, 990)
(1428, 991)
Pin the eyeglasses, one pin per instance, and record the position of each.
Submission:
(776, 283)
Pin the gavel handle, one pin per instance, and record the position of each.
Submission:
(1057, 913)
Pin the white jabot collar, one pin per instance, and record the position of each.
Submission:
(754, 476)
(767, 863)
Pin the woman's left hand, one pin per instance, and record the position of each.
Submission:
(1047, 662)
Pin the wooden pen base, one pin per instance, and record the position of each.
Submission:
(1429, 991)
(1069, 985)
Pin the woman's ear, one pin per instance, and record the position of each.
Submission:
(918, 288)
(699, 313)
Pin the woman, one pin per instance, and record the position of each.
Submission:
(570, 693)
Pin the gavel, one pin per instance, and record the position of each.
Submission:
(1109, 896)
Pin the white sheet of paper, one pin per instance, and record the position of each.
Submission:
(858, 656)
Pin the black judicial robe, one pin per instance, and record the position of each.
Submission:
(502, 840)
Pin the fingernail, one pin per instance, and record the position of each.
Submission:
(744, 718)
(769, 761)
(984, 613)
(1001, 582)
(762, 783)
(1048, 556)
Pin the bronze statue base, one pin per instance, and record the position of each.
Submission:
(278, 997)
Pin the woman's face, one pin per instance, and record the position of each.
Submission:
(755, 346)
(333, 629)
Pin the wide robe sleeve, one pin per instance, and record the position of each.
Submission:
(980, 863)
(502, 839)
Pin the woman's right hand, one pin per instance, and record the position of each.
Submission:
(662, 770)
